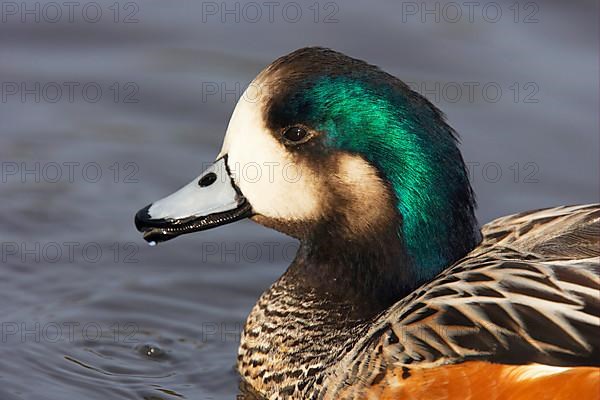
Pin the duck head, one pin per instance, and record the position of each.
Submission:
(333, 151)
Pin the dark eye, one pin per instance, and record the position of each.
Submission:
(295, 134)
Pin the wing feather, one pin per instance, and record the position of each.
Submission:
(529, 294)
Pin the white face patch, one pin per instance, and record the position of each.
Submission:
(262, 168)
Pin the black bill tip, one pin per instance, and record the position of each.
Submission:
(151, 228)
(142, 218)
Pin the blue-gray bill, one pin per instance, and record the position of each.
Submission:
(210, 200)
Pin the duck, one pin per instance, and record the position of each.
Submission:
(396, 291)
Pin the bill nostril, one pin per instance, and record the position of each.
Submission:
(207, 179)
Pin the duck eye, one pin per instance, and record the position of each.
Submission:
(295, 134)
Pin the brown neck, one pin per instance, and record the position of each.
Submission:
(365, 274)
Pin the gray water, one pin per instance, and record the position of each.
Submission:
(87, 310)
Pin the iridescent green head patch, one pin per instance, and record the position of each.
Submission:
(363, 110)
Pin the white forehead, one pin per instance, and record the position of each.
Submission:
(246, 119)
(261, 166)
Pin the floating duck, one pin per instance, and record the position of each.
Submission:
(395, 291)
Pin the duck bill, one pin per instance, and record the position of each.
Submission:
(210, 200)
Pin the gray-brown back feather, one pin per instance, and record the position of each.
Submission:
(530, 293)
